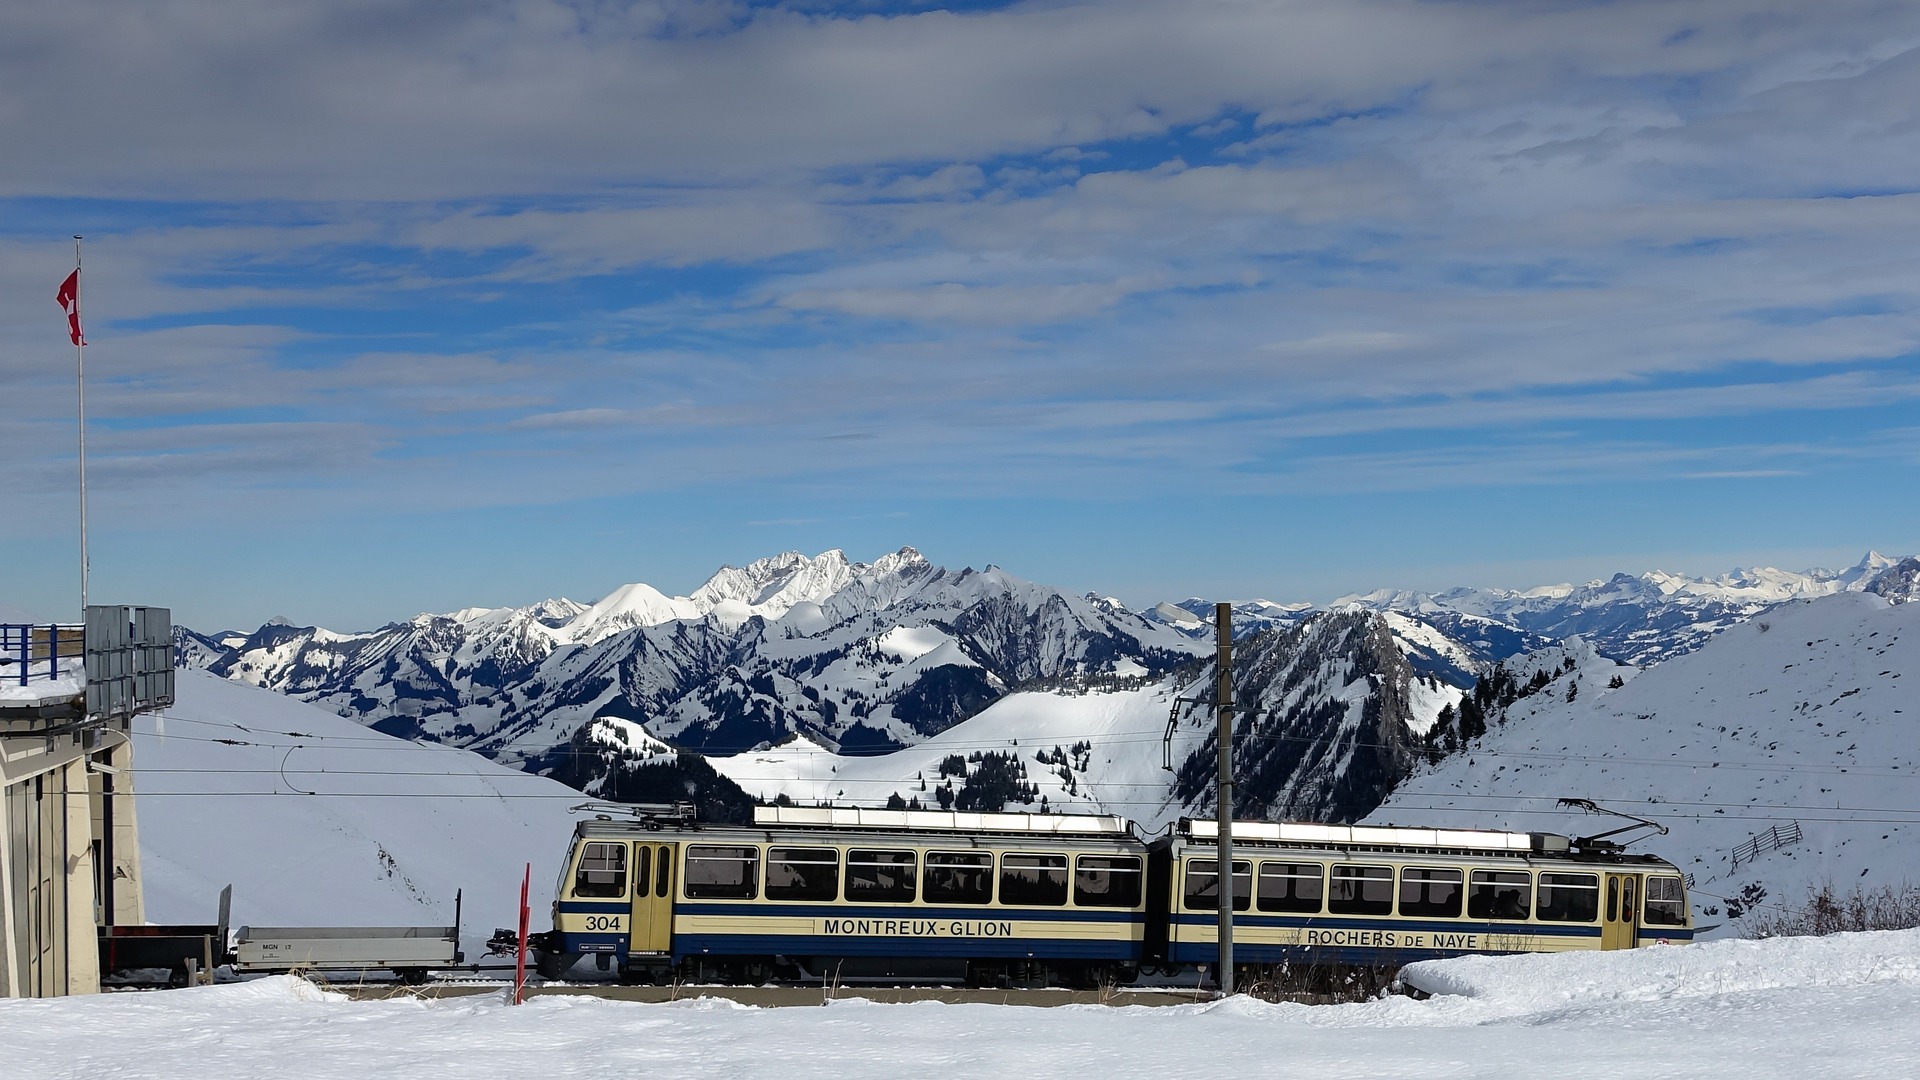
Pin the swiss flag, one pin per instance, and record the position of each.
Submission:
(70, 302)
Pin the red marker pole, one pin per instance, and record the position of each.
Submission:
(520, 960)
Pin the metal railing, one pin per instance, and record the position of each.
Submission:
(1777, 837)
(30, 651)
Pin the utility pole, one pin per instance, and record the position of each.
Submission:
(1223, 710)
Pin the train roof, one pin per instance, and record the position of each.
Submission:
(1305, 832)
(867, 818)
(850, 821)
(1386, 839)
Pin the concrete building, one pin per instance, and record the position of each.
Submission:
(69, 840)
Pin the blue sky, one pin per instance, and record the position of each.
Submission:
(415, 306)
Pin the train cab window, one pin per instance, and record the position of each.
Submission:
(1666, 902)
(1107, 881)
(881, 876)
(1035, 880)
(716, 872)
(1429, 893)
(1361, 890)
(1295, 887)
(803, 873)
(1203, 885)
(1569, 898)
(959, 877)
(1499, 894)
(602, 871)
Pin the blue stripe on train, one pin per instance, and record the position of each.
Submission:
(1246, 953)
(594, 943)
(900, 947)
(1321, 922)
(900, 911)
(863, 911)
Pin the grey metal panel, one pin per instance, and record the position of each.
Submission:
(129, 660)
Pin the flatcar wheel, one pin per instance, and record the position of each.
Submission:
(411, 976)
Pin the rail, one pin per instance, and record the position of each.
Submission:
(30, 651)
(1773, 839)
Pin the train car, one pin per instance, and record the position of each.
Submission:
(1350, 895)
(838, 893)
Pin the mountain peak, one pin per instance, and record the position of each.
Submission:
(899, 561)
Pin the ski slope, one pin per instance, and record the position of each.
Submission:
(1787, 1008)
(316, 820)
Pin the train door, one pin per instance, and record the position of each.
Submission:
(652, 898)
(1620, 915)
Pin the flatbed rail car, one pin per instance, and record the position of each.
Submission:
(835, 893)
(1378, 896)
(409, 952)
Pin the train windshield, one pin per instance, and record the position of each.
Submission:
(1666, 902)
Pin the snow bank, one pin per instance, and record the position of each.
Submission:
(1755, 1010)
(1537, 983)
(41, 688)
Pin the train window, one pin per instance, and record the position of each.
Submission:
(959, 877)
(803, 873)
(1613, 899)
(722, 873)
(1569, 898)
(1037, 880)
(1499, 894)
(1429, 893)
(1106, 881)
(1361, 890)
(602, 871)
(1296, 887)
(663, 881)
(1666, 902)
(642, 881)
(1203, 885)
(881, 876)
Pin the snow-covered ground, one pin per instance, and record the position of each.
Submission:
(1123, 774)
(1787, 1008)
(1800, 718)
(316, 820)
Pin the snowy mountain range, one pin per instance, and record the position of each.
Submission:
(861, 656)
(1640, 620)
(844, 658)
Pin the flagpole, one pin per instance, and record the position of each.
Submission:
(80, 368)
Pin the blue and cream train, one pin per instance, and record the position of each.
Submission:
(1031, 899)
